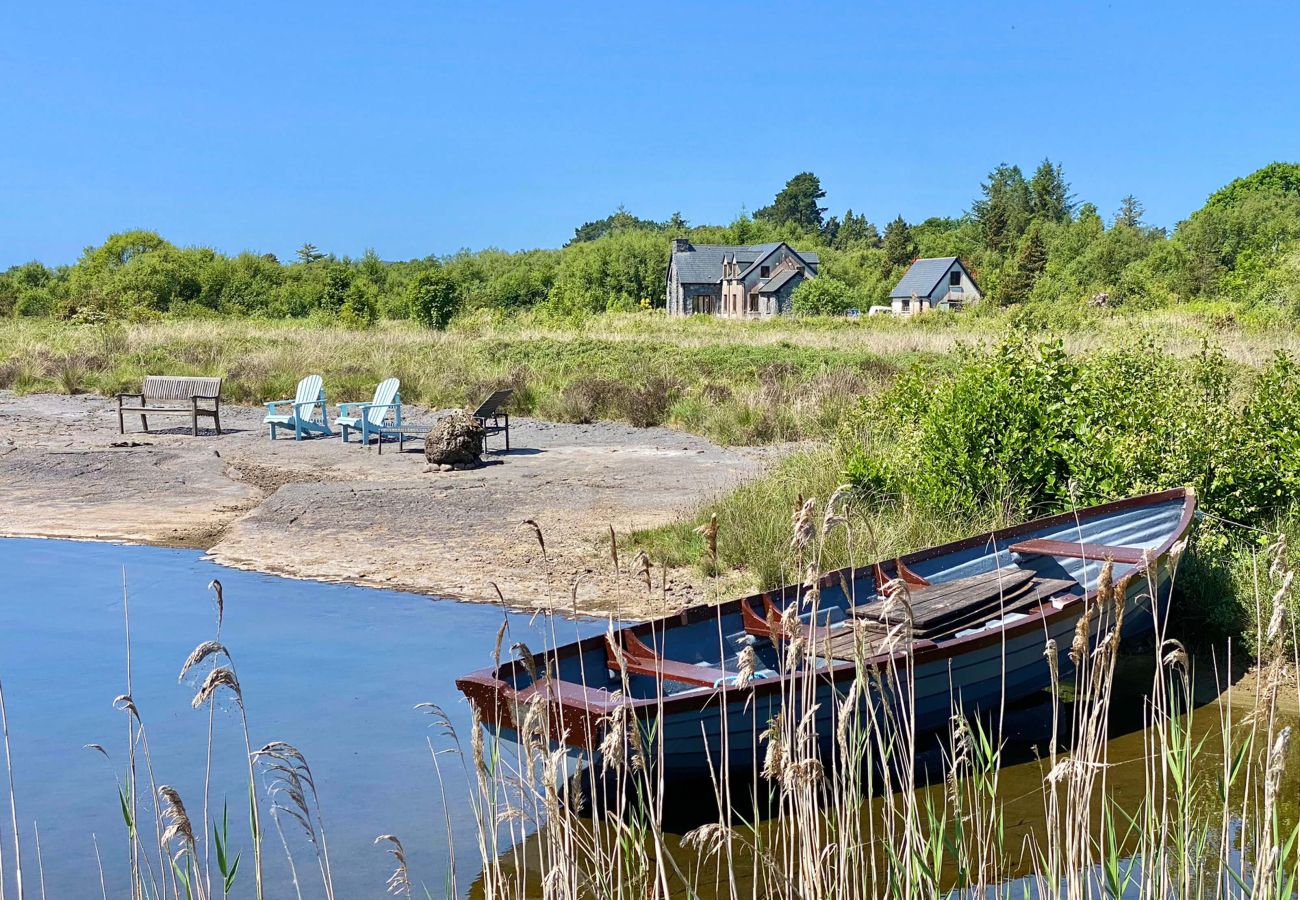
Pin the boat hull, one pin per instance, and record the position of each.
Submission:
(694, 731)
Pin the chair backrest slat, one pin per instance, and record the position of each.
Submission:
(493, 403)
(385, 394)
(180, 387)
(308, 389)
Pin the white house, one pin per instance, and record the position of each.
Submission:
(935, 283)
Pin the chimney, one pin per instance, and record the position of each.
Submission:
(682, 245)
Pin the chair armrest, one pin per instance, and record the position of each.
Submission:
(309, 404)
(207, 396)
(272, 404)
(344, 407)
(121, 397)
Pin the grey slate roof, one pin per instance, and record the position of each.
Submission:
(922, 277)
(777, 281)
(703, 265)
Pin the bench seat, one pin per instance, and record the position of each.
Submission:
(170, 395)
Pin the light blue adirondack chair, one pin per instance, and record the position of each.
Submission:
(306, 413)
(370, 418)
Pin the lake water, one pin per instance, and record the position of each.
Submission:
(333, 669)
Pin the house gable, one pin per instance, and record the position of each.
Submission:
(924, 275)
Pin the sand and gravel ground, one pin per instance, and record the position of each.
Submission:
(321, 509)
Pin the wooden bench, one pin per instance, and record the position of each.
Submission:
(491, 409)
(170, 395)
(1132, 556)
(626, 650)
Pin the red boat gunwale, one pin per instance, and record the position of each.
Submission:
(581, 708)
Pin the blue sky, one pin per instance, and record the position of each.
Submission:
(418, 128)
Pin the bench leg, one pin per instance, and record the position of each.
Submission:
(121, 422)
(194, 423)
(144, 422)
(216, 419)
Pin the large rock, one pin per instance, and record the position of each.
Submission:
(457, 440)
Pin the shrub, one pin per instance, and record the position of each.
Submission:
(433, 298)
(823, 296)
(1028, 426)
(360, 306)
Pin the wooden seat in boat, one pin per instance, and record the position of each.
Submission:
(1074, 550)
(640, 659)
(951, 605)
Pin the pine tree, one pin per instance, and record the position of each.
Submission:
(1004, 211)
(1031, 260)
(308, 253)
(1050, 197)
(1130, 212)
(898, 244)
(855, 230)
(676, 224)
(797, 203)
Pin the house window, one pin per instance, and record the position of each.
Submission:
(954, 278)
(764, 271)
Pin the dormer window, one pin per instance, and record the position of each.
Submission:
(764, 271)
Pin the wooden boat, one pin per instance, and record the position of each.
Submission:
(982, 611)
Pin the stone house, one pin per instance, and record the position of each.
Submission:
(941, 282)
(733, 281)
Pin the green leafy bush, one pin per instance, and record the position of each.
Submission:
(823, 296)
(1030, 427)
(433, 299)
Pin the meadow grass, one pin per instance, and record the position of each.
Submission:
(735, 382)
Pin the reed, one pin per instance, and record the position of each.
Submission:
(849, 821)
(858, 816)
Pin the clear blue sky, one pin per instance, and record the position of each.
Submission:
(423, 127)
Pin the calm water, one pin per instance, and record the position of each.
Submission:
(332, 669)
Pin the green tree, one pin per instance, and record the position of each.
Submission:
(1130, 212)
(338, 279)
(1049, 193)
(855, 230)
(1031, 260)
(796, 204)
(433, 298)
(676, 224)
(619, 220)
(309, 254)
(898, 244)
(1003, 210)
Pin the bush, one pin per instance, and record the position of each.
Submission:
(1029, 427)
(360, 305)
(821, 297)
(433, 299)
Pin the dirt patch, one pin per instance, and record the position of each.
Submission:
(328, 510)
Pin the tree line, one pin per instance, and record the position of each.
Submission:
(1027, 240)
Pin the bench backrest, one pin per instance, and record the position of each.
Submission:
(180, 387)
(493, 403)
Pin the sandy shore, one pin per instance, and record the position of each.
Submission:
(321, 509)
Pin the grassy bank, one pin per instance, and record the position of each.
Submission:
(1023, 428)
